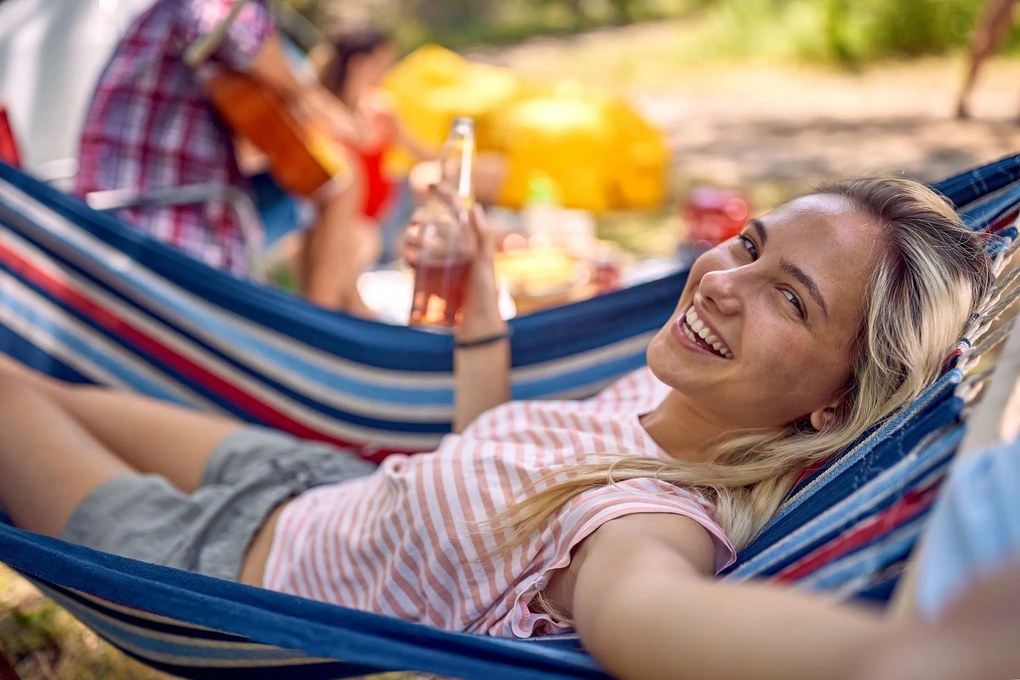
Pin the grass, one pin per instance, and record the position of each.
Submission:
(41, 640)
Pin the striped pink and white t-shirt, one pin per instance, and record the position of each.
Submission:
(409, 540)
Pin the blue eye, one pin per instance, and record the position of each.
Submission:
(749, 246)
(795, 302)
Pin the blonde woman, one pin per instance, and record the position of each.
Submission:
(608, 515)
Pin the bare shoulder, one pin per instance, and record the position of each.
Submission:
(629, 546)
(652, 532)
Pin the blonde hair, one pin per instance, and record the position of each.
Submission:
(932, 274)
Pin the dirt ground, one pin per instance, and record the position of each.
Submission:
(741, 124)
(760, 122)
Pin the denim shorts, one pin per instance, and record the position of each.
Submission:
(250, 473)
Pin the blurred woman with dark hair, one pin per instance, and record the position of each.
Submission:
(358, 60)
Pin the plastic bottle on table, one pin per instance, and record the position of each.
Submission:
(541, 206)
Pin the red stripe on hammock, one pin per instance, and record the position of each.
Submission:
(165, 355)
(912, 504)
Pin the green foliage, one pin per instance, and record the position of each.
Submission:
(510, 22)
(846, 32)
(872, 28)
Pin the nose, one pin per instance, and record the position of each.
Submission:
(722, 288)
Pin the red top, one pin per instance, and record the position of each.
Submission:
(8, 146)
(378, 187)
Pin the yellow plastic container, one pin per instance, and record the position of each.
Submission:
(599, 151)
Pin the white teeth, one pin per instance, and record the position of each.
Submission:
(694, 327)
(687, 332)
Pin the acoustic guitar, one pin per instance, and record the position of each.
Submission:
(303, 159)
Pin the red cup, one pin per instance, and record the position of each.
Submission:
(714, 214)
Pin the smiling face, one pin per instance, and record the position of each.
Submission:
(761, 335)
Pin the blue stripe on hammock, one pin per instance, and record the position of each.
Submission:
(920, 465)
(987, 211)
(972, 185)
(318, 629)
(84, 349)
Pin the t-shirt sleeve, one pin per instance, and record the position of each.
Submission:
(587, 511)
(243, 38)
(593, 508)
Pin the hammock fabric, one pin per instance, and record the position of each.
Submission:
(86, 298)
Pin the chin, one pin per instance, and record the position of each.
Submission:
(661, 359)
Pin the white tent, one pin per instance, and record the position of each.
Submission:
(51, 53)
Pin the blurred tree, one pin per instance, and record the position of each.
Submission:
(835, 21)
(452, 14)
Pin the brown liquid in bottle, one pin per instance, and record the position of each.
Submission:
(439, 288)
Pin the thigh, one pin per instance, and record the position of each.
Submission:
(48, 462)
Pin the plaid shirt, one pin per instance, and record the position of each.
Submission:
(150, 125)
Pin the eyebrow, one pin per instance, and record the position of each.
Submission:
(759, 227)
(792, 269)
(809, 283)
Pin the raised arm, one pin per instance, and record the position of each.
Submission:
(645, 608)
(481, 371)
(481, 355)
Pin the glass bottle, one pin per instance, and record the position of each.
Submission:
(447, 241)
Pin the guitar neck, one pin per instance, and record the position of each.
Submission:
(198, 52)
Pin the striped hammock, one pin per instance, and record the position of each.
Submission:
(86, 298)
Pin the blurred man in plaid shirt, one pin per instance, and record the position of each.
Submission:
(151, 125)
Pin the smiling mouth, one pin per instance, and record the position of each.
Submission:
(698, 333)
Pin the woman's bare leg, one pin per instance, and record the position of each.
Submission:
(147, 435)
(338, 247)
(992, 27)
(48, 462)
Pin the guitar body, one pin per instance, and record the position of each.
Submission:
(302, 160)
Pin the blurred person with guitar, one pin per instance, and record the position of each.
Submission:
(186, 77)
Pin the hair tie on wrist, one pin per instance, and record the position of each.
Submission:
(484, 340)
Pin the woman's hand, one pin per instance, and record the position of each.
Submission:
(480, 313)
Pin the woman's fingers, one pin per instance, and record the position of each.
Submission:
(487, 238)
(411, 241)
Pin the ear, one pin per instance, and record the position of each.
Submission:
(823, 418)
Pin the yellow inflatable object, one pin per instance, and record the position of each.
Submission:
(600, 153)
